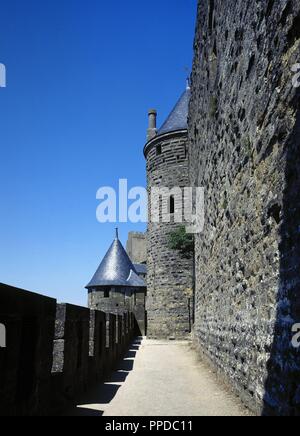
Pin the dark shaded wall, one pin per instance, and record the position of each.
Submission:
(244, 149)
(121, 300)
(25, 363)
(54, 351)
(139, 310)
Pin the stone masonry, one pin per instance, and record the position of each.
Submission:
(136, 247)
(54, 352)
(170, 277)
(244, 130)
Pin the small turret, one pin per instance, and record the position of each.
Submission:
(117, 287)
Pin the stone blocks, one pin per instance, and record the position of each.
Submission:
(170, 276)
(244, 127)
(54, 351)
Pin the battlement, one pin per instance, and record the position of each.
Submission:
(54, 351)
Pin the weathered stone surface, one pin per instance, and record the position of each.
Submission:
(244, 149)
(119, 301)
(54, 351)
(25, 363)
(170, 276)
(136, 247)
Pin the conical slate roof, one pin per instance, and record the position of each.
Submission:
(177, 120)
(116, 269)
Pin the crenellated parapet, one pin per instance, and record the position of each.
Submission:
(54, 351)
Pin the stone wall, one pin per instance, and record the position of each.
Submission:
(244, 131)
(54, 351)
(136, 247)
(139, 313)
(170, 276)
(115, 300)
(120, 300)
(26, 362)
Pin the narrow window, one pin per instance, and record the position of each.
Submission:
(158, 150)
(106, 293)
(172, 204)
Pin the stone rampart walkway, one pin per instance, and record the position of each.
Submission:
(159, 378)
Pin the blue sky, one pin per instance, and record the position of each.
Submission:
(81, 76)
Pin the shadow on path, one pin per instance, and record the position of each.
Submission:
(93, 402)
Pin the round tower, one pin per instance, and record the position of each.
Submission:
(170, 275)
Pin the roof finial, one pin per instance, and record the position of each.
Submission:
(188, 85)
(117, 233)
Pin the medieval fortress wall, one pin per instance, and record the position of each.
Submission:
(244, 134)
(242, 146)
(54, 352)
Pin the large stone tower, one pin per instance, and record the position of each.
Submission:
(170, 275)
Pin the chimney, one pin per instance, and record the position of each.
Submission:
(152, 131)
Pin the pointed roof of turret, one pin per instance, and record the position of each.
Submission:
(116, 269)
(177, 120)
